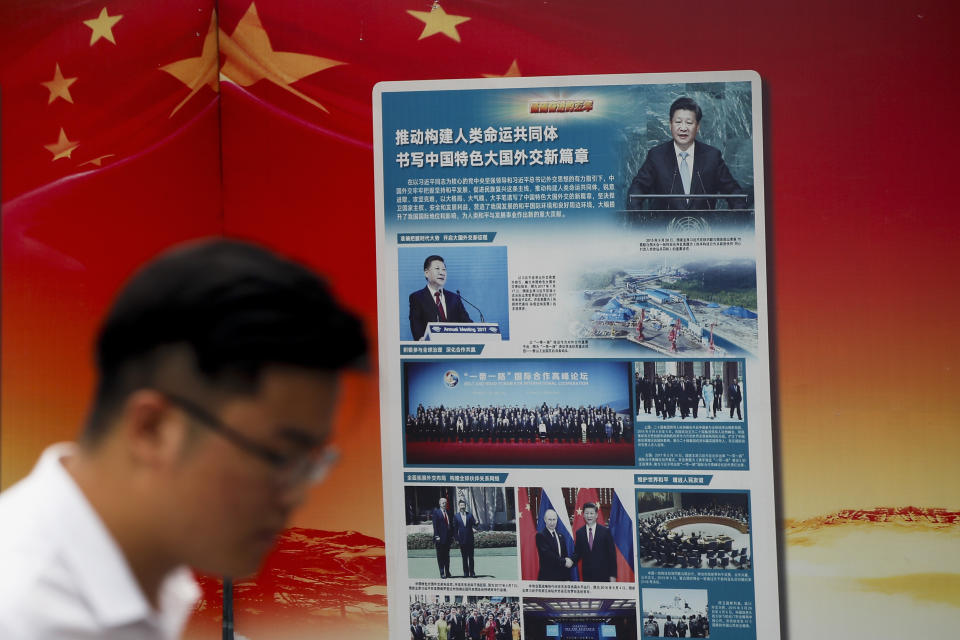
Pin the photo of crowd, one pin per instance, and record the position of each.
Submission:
(505, 424)
(543, 413)
(693, 530)
(694, 390)
(464, 618)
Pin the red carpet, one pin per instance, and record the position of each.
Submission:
(526, 454)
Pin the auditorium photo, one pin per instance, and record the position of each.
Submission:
(676, 390)
(580, 619)
(693, 530)
(545, 413)
(461, 617)
(571, 534)
(461, 532)
(674, 613)
(452, 292)
(688, 158)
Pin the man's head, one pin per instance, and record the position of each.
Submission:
(550, 519)
(462, 505)
(435, 271)
(590, 513)
(217, 380)
(685, 117)
(443, 503)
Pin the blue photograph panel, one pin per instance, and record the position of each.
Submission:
(558, 154)
(475, 282)
(518, 413)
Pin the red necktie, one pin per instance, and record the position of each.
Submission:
(590, 538)
(443, 316)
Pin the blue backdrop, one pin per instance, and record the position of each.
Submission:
(480, 273)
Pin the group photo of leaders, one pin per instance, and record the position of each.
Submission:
(570, 534)
(693, 530)
(460, 617)
(673, 390)
(454, 284)
(691, 158)
(518, 413)
(461, 532)
(595, 618)
(675, 613)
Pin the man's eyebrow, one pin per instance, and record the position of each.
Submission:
(298, 436)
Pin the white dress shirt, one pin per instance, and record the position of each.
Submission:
(62, 575)
(679, 153)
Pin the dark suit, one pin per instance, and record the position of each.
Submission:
(599, 563)
(423, 309)
(442, 537)
(734, 398)
(475, 627)
(660, 174)
(464, 525)
(552, 566)
(456, 627)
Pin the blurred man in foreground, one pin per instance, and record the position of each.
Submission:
(217, 381)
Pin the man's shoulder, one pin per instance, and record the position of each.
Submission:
(705, 150)
(417, 294)
(40, 597)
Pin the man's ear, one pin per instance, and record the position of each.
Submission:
(153, 432)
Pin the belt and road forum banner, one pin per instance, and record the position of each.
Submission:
(575, 388)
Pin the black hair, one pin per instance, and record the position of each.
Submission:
(236, 307)
(590, 505)
(687, 104)
(426, 263)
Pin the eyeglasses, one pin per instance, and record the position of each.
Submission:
(310, 467)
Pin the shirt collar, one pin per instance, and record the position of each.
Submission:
(433, 290)
(98, 562)
(677, 151)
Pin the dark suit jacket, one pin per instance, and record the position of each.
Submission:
(440, 528)
(599, 563)
(464, 530)
(423, 309)
(659, 174)
(552, 566)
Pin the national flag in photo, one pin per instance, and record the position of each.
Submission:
(527, 527)
(621, 528)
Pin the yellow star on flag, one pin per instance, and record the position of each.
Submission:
(98, 161)
(59, 87)
(197, 72)
(512, 72)
(438, 21)
(250, 58)
(102, 26)
(63, 147)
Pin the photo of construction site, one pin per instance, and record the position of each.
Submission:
(697, 308)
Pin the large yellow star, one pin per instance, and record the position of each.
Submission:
(102, 26)
(512, 72)
(250, 58)
(59, 87)
(438, 21)
(197, 72)
(63, 147)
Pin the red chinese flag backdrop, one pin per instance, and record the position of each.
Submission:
(862, 243)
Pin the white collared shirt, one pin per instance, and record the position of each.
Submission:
(678, 151)
(443, 299)
(62, 575)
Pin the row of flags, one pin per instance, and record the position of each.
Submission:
(620, 524)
